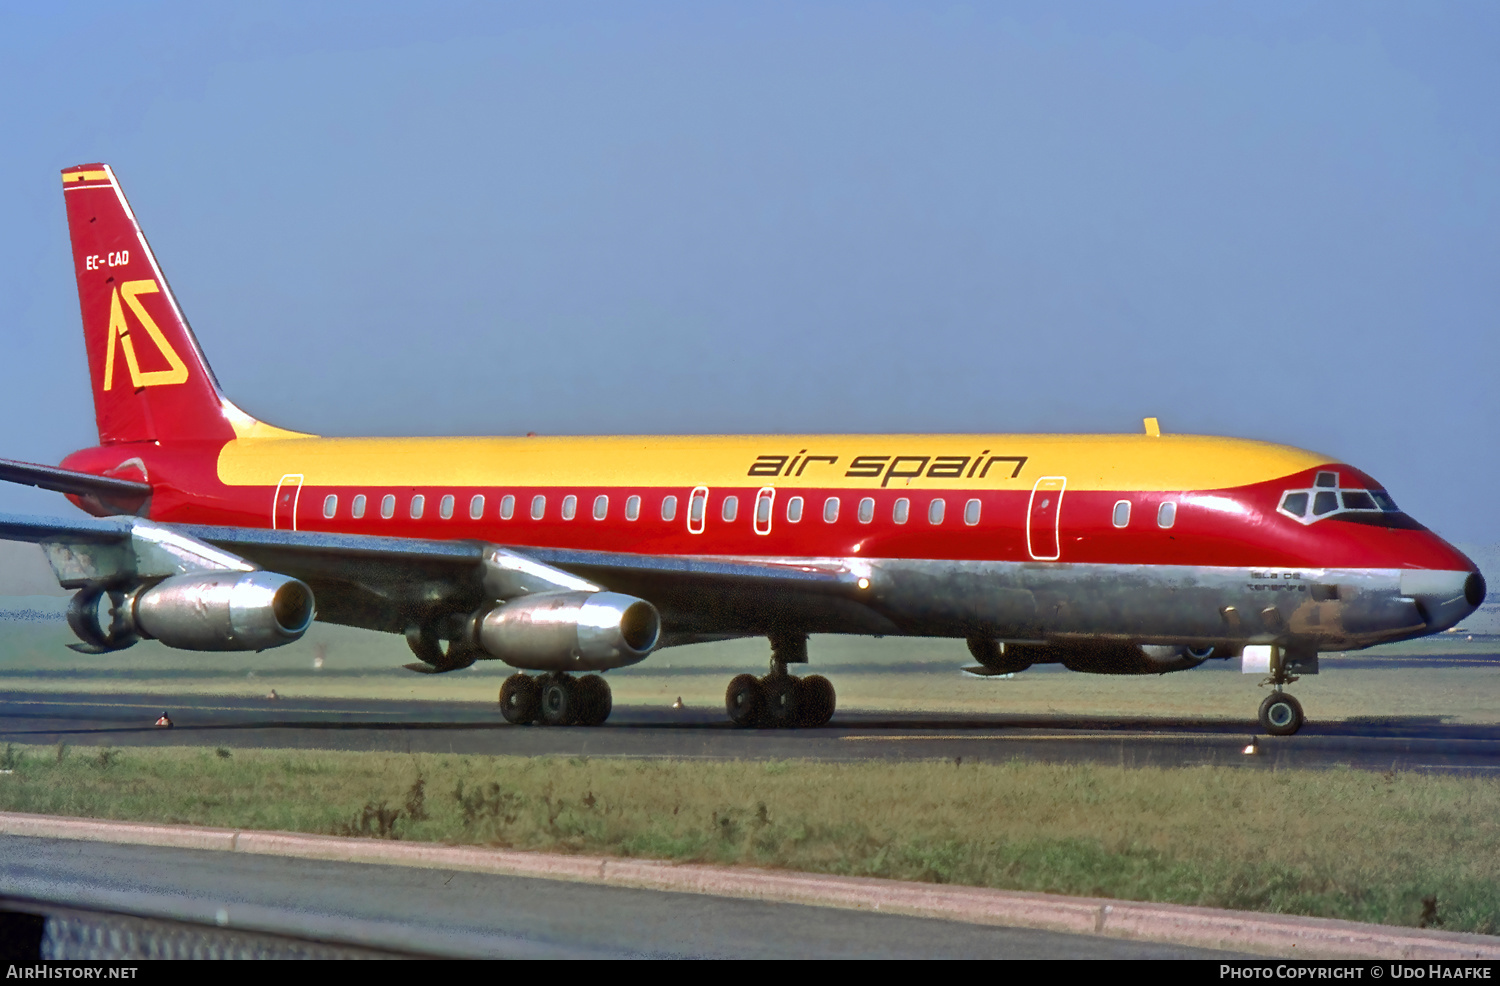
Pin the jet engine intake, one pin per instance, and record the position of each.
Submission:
(571, 631)
(224, 611)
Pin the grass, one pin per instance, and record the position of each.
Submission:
(1363, 846)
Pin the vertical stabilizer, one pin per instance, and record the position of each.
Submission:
(150, 380)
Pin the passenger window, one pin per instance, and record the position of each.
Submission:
(1327, 479)
(901, 513)
(697, 509)
(1122, 513)
(633, 508)
(731, 508)
(971, 512)
(569, 507)
(1325, 503)
(357, 508)
(538, 507)
(1358, 500)
(867, 510)
(388, 506)
(669, 508)
(794, 510)
(418, 504)
(764, 501)
(830, 510)
(507, 507)
(935, 510)
(1166, 514)
(601, 507)
(476, 506)
(330, 505)
(1295, 504)
(445, 507)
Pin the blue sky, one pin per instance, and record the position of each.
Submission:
(1269, 220)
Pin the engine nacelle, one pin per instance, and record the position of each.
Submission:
(571, 631)
(1108, 656)
(224, 611)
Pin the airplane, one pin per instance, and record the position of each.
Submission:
(567, 557)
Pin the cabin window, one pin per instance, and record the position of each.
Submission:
(1166, 514)
(901, 512)
(669, 508)
(1358, 500)
(601, 507)
(936, 509)
(418, 504)
(971, 512)
(830, 510)
(476, 506)
(445, 507)
(633, 508)
(538, 507)
(1325, 502)
(570, 507)
(1295, 504)
(794, 510)
(866, 510)
(507, 507)
(1122, 513)
(388, 506)
(357, 508)
(764, 501)
(330, 505)
(1330, 479)
(731, 509)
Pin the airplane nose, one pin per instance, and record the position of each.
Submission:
(1444, 597)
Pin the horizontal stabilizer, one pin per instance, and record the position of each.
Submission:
(68, 481)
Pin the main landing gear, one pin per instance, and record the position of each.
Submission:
(781, 700)
(555, 699)
(1280, 714)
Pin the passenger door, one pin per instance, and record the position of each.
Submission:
(1043, 517)
(284, 508)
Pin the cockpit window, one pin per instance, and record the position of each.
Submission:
(1327, 499)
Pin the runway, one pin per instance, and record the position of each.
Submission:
(1407, 743)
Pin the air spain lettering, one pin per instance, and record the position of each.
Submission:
(888, 467)
(120, 337)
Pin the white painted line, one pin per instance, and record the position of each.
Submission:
(1199, 926)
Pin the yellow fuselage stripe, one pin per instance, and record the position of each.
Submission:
(1089, 462)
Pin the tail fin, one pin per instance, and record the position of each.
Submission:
(150, 380)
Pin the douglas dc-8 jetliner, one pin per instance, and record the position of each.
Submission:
(1110, 554)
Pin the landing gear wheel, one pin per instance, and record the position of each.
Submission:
(520, 699)
(591, 692)
(1280, 714)
(745, 700)
(559, 700)
(783, 700)
(817, 700)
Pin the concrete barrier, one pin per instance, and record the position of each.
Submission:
(1246, 931)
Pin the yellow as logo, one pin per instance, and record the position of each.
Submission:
(119, 332)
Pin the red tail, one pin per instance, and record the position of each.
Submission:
(151, 382)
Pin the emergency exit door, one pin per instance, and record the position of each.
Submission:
(284, 509)
(1043, 517)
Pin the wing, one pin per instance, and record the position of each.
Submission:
(391, 584)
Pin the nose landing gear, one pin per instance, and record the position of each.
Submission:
(555, 699)
(1280, 713)
(780, 700)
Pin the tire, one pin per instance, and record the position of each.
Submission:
(744, 700)
(520, 698)
(559, 700)
(1280, 714)
(817, 699)
(594, 700)
(783, 701)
